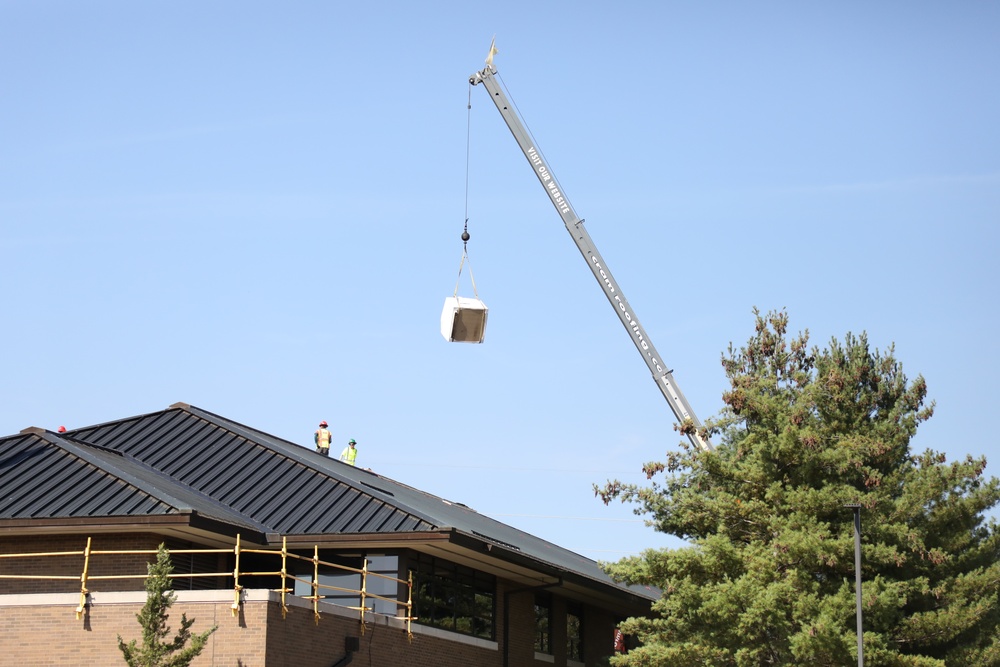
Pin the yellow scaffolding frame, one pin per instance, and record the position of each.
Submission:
(89, 554)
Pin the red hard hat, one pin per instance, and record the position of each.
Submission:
(322, 423)
(62, 429)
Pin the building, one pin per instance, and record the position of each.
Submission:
(298, 559)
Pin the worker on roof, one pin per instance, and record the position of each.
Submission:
(322, 439)
(350, 452)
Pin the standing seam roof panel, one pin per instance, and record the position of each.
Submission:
(193, 461)
(121, 436)
(365, 520)
(242, 462)
(273, 504)
(255, 479)
(43, 483)
(174, 445)
(381, 518)
(214, 477)
(15, 450)
(206, 459)
(322, 522)
(310, 504)
(111, 499)
(78, 496)
(57, 476)
(338, 514)
(301, 493)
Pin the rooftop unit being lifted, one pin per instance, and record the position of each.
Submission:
(463, 320)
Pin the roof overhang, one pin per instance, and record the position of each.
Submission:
(484, 555)
(524, 570)
(190, 526)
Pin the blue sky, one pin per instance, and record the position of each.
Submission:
(255, 208)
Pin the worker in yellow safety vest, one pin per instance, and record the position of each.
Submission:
(322, 439)
(350, 452)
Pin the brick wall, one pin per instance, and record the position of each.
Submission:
(50, 634)
(38, 625)
(73, 566)
(44, 630)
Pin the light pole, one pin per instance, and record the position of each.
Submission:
(857, 577)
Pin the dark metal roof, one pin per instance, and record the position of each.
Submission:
(187, 459)
(45, 476)
(286, 487)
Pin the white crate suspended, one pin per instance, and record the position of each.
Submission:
(463, 320)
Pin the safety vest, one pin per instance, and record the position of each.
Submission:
(323, 438)
(349, 454)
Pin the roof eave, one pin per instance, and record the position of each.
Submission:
(472, 551)
(185, 525)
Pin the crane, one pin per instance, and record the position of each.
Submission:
(663, 377)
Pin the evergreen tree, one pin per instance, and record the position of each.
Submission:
(768, 578)
(155, 651)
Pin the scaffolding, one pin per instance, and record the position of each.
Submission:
(318, 590)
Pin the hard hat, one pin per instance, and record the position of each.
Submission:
(62, 429)
(322, 423)
(351, 442)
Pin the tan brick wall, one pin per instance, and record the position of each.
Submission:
(39, 630)
(72, 566)
(46, 633)
(50, 634)
(297, 641)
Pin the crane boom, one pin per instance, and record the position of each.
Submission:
(574, 225)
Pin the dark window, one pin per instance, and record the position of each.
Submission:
(623, 643)
(383, 572)
(453, 597)
(543, 623)
(343, 586)
(574, 631)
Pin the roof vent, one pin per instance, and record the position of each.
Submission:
(496, 541)
(372, 486)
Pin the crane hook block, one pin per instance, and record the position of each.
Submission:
(465, 236)
(463, 320)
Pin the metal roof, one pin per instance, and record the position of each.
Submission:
(185, 459)
(45, 476)
(285, 487)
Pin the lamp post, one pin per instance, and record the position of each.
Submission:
(857, 577)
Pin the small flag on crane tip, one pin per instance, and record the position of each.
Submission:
(493, 51)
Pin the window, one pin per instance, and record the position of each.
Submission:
(574, 631)
(453, 597)
(623, 643)
(343, 587)
(543, 623)
(383, 586)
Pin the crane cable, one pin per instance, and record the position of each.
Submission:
(465, 229)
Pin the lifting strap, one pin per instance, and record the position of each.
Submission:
(465, 258)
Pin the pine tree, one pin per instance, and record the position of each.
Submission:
(768, 578)
(155, 652)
